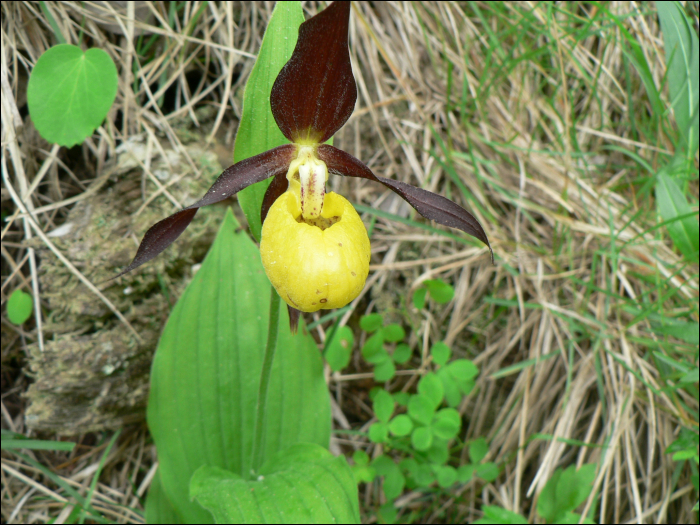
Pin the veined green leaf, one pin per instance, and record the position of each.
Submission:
(683, 63)
(320, 489)
(258, 131)
(204, 383)
(674, 207)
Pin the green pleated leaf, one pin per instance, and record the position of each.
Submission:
(70, 92)
(683, 65)
(204, 382)
(158, 506)
(302, 484)
(673, 206)
(257, 131)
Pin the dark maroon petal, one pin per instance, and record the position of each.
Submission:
(315, 92)
(276, 188)
(430, 205)
(232, 180)
(294, 315)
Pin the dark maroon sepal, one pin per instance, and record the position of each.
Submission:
(275, 190)
(294, 315)
(241, 175)
(315, 92)
(430, 205)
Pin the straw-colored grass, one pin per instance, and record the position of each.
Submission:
(528, 114)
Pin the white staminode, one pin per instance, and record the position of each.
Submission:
(313, 175)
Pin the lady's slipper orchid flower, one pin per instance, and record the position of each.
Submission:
(314, 246)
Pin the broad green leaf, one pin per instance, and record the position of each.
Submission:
(423, 475)
(447, 423)
(371, 322)
(339, 349)
(422, 438)
(258, 131)
(19, 307)
(360, 457)
(401, 425)
(497, 515)
(206, 370)
(385, 370)
(394, 480)
(402, 398)
(402, 353)
(361, 470)
(465, 473)
(431, 387)
(439, 451)
(373, 350)
(478, 449)
(462, 370)
(383, 405)
(388, 512)
(445, 474)
(453, 395)
(379, 432)
(393, 333)
(488, 471)
(441, 353)
(419, 298)
(673, 206)
(440, 291)
(421, 408)
(70, 92)
(683, 69)
(302, 484)
(565, 490)
(158, 506)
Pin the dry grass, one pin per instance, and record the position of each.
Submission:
(519, 112)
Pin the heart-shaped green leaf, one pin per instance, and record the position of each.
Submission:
(302, 484)
(70, 92)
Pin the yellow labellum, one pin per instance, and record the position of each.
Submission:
(317, 263)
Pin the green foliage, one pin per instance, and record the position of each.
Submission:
(374, 350)
(440, 291)
(258, 131)
(415, 429)
(565, 490)
(207, 343)
(19, 307)
(323, 490)
(339, 348)
(683, 70)
(70, 92)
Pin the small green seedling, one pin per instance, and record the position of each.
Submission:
(19, 307)
(440, 291)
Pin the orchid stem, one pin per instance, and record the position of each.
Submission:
(270, 347)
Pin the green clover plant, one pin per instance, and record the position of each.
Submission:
(417, 430)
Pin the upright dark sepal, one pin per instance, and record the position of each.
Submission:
(241, 175)
(428, 204)
(315, 93)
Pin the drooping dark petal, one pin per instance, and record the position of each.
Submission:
(315, 92)
(276, 188)
(232, 180)
(430, 205)
(294, 315)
